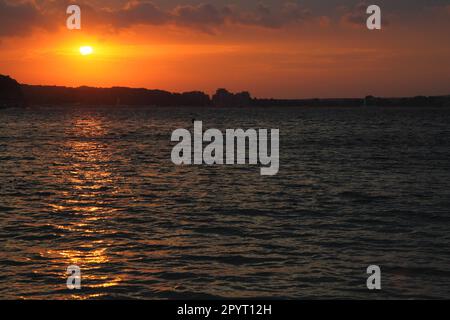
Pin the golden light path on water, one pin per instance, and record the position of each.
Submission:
(86, 210)
(88, 175)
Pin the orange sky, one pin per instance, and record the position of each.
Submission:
(319, 56)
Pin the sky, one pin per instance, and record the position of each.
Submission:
(272, 48)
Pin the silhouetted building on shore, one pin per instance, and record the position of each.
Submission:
(10, 93)
(224, 98)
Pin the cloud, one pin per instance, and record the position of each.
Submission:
(208, 17)
(138, 12)
(18, 19)
(21, 18)
(269, 17)
(205, 17)
(201, 15)
(356, 16)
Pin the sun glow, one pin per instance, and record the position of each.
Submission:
(86, 50)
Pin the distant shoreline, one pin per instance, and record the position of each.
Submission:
(324, 106)
(122, 96)
(14, 94)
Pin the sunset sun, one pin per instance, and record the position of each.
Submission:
(86, 50)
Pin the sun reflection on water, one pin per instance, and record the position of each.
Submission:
(86, 176)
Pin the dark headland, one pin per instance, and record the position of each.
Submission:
(13, 94)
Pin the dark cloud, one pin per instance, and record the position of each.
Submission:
(208, 17)
(18, 19)
(356, 16)
(205, 16)
(201, 16)
(21, 18)
(135, 12)
(270, 17)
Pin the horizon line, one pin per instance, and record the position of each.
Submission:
(212, 94)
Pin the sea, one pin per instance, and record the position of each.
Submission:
(95, 187)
